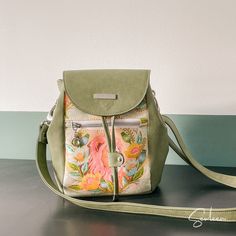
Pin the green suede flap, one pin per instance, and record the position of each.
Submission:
(106, 92)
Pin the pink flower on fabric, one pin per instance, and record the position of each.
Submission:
(98, 161)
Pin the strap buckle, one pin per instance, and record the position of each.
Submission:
(49, 117)
(44, 126)
(43, 132)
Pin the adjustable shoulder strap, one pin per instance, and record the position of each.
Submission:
(225, 214)
(185, 154)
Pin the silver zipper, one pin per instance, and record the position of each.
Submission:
(97, 123)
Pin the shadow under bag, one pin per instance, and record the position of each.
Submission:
(107, 138)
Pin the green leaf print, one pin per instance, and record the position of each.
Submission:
(139, 138)
(84, 167)
(110, 186)
(75, 187)
(73, 166)
(69, 148)
(143, 121)
(137, 175)
(126, 137)
(74, 173)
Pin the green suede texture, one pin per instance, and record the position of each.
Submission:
(129, 85)
(158, 144)
(56, 139)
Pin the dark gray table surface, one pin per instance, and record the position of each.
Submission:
(27, 207)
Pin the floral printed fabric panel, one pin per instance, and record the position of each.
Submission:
(86, 153)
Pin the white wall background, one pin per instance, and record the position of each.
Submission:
(190, 46)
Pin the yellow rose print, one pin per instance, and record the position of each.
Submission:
(134, 150)
(90, 182)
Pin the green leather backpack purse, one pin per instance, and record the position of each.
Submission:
(107, 138)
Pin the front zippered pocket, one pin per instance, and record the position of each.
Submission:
(79, 126)
(87, 172)
(97, 123)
